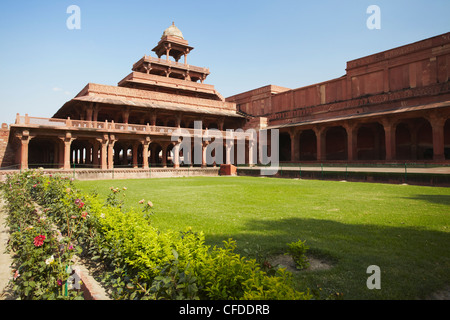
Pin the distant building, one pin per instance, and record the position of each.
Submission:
(390, 106)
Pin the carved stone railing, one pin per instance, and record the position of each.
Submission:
(176, 64)
(68, 124)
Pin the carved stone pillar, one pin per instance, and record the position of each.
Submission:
(145, 145)
(135, 147)
(352, 141)
(103, 151)
(176, 155)
(205, 144)
(321, 143)
(95, 154)
(229, 151)
(437, 125)
(67, 139)
(389, 133)
(24, 138)
(111, 143)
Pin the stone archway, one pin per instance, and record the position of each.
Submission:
(155, 155)
(308, 145)
(414, 139)
(336, 143)
(46, 152)
(371, 142)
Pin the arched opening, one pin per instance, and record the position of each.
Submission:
(308, 145)
(140, 155)
(123, 154)
(46, 152)
(285, 146)
(81, 153)
(423, 148)
(155, 154)
(336, 143)
(403, 141)
(169, 155)
(371, 142)
(414, 140)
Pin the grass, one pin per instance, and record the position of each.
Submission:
(402, 229)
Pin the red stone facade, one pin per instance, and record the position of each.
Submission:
(390, 106)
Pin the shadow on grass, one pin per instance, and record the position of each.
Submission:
(414, 262)
(433, 198)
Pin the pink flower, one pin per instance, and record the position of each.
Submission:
(59, 282)
(16, 274)
(84, 214)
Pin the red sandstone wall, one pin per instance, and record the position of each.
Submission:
(417, 72)
(6, 153)
(257, 102)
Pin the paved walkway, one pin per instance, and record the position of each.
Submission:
(5, 259)
(343, 168)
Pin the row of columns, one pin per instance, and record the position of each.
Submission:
(437, 123)
(91, 111)
(100, 151)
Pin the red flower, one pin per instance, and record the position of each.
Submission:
(39, 240)
(79, 203)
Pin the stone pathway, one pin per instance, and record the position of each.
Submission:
(5, 259)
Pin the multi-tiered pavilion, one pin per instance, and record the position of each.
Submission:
(129, 125)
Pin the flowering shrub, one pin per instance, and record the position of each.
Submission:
(41, 255)
(140, 261)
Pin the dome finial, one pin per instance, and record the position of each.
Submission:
(173, 31)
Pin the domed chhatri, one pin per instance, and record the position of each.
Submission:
(172, 31)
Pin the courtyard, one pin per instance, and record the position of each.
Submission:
(348, 226)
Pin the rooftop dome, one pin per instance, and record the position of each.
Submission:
(173, 31)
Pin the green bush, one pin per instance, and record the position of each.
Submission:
(297, 250)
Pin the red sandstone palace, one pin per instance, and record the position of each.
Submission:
(390, 106)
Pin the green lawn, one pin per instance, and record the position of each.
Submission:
(405, 230)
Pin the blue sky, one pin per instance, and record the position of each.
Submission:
(246, 44)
